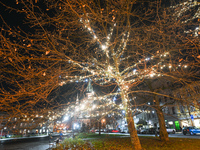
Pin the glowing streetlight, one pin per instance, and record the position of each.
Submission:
(66, 118)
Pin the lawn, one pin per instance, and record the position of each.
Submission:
(149, 143)
(117, 142)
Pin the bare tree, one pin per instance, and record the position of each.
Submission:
(117, 44)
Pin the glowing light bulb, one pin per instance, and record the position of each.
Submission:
(103, 47)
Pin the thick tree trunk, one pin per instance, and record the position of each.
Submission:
(133, 132)
(163, 132)
(99, 127)
(192, 122)
(131, 126)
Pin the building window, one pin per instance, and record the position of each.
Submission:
(165, 99)
(192, 108)
(182, 109)
(173, 110)
(153, 115)
(168, 110)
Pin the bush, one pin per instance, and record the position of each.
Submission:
(73, 144)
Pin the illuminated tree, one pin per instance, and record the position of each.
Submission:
(117, 44)
(188, 11)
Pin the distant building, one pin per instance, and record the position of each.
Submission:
(184, 111)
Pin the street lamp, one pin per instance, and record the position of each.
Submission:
(103, 122)
(1, 132)
(76, 126)
(66, 118)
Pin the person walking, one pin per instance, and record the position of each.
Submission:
(61, 135)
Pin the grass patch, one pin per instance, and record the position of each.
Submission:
(117, 142)
(149, 143)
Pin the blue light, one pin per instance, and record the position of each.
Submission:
(118, 90)
(114, 99)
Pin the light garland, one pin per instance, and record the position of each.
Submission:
(107, 72)
(183, 8)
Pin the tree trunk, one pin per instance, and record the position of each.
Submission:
(131, 126)
(132, 130)
(163, 131)
(99, 127)
(192, 122)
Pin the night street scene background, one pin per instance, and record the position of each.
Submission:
(99, 74)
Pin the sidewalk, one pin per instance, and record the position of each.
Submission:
(25, 137)
(29, 137)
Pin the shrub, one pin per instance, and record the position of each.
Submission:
(73, 144)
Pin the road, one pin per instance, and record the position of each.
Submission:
(27, 144)
(43, 142)
(177, 135)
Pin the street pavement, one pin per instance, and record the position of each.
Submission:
(177, 135)
(40, 143)
(29, 143)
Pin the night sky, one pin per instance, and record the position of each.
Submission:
(11, 17)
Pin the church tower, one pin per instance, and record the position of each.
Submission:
(77, 100)
(89, 91)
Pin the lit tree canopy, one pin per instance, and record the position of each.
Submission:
(117, 44)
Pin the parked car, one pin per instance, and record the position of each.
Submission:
(139, 130)
(97, 130)
(191, 130)
(92, 130)
(143, 131)
(169, 130)
(114, 131)
(151, 130)
(124, 131)
(8, 136)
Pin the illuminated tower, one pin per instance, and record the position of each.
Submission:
(89, 91)
(77, 100)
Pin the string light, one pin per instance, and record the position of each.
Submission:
(129, 75)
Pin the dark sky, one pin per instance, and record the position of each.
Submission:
(11, 17)
(16, 19)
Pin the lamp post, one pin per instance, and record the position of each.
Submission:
(1, 132)
(103, 122)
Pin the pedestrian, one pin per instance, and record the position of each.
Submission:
(61, 135)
